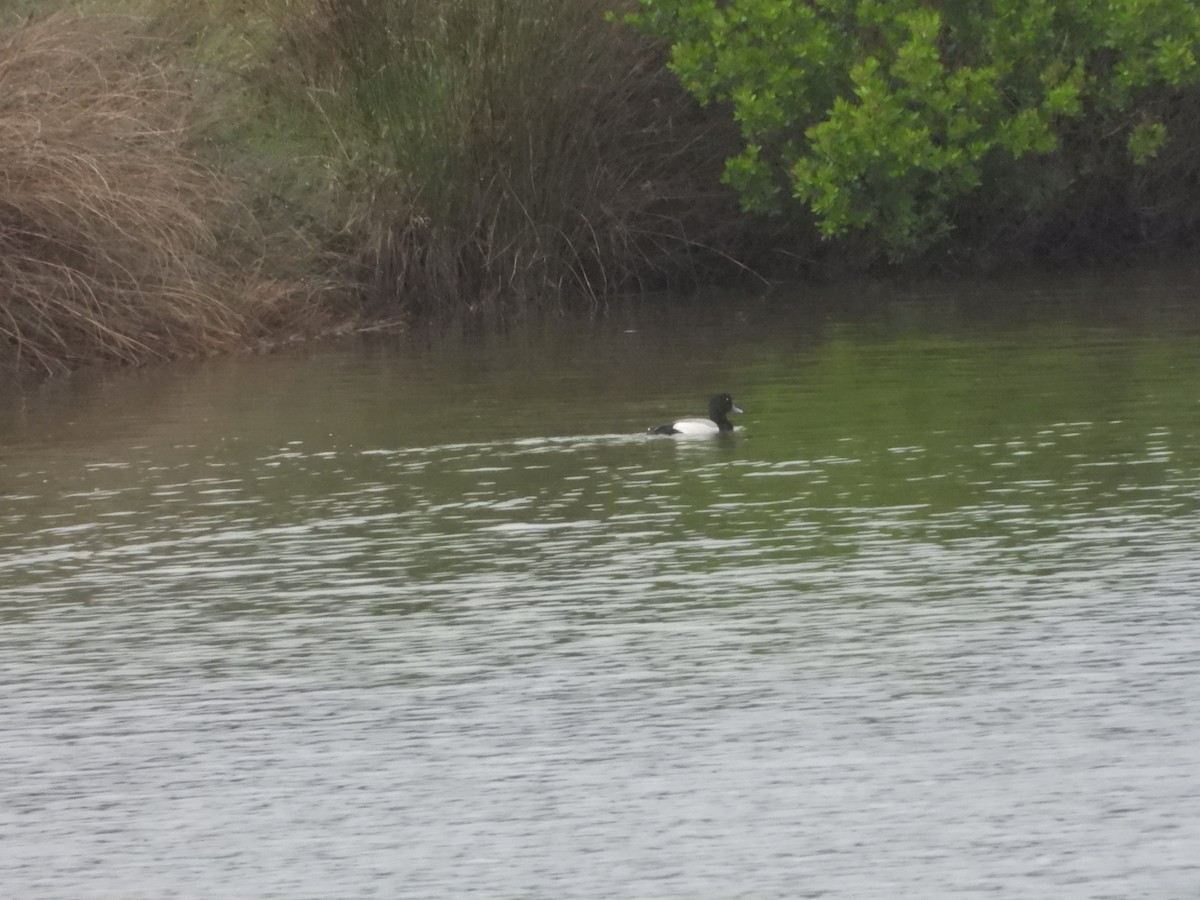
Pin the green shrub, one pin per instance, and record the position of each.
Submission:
(893, 119)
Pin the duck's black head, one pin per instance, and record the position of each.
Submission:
(719, 408)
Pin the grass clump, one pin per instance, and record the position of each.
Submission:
(195, 177)
(115, 243)
(501, 151)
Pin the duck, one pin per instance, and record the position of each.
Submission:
(719, 408)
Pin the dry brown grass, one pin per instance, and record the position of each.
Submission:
(115, 244)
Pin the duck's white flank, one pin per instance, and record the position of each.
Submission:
(696, 426)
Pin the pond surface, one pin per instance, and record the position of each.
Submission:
(435, 616)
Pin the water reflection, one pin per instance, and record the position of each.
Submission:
(445, 620)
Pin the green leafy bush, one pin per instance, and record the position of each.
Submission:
(886, 118)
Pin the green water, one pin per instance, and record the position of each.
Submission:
(434, 615)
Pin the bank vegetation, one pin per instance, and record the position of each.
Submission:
(183, 178)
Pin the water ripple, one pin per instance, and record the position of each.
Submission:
(944, 661)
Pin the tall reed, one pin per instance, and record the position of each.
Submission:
(510, 150)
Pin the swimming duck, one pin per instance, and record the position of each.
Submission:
(719, 407)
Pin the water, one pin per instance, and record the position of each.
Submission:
(435, 617)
